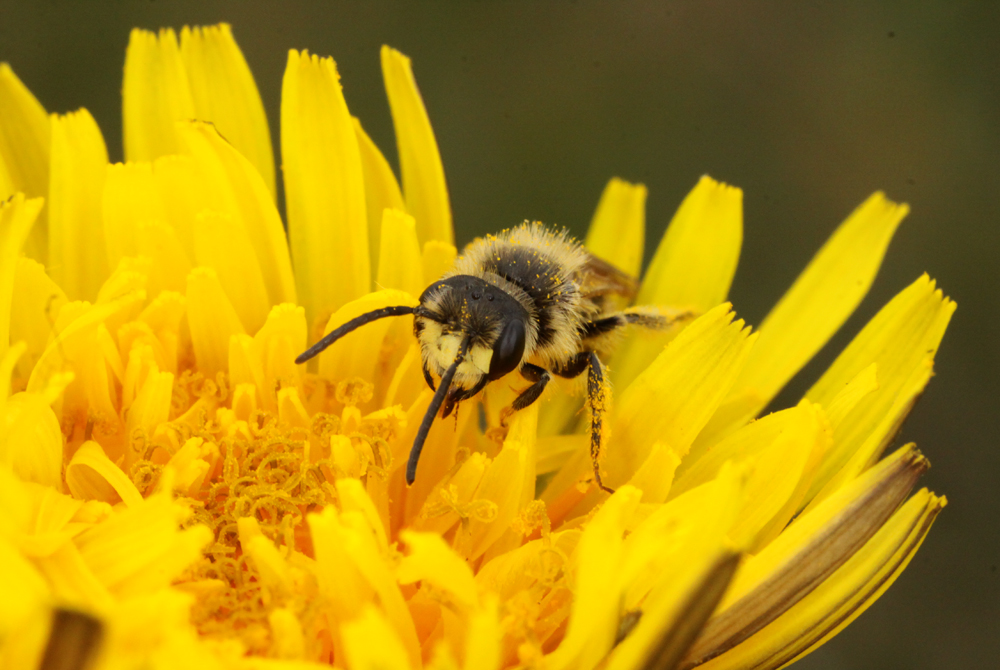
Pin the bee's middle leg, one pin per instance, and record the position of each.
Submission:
(540, 378)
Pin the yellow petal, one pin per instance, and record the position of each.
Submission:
(212, 320)
(370, 643)
(155, 94)
(438, 257)
(91, 475)
(692, 269)
(674, 398)
(593, 622)
(400, 266)
(76, 230)
(170, 261)
(779, 478)
(339, 576)
(819, 301)
(142, 549)
(358, 354)
(277, 343)
(239, 191)
(508, 482)
(36, 302)
(223, 92)
(130, 198)
(808, 551)
(33, 444)
(24, 151)
(17, 215)
(843, 596)
(150, 409)
(655, 477)
(482, 650)
(432, 561)
(223, 245)
(901, 340)
(381, 188)
(617, 230)
(324, 188)
(25, 592)
(419, 159)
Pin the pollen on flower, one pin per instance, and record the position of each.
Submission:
(263, 479)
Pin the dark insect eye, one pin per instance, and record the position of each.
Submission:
(508, 349)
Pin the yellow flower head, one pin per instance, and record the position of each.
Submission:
(177, 492)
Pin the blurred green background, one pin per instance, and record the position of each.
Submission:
(809, 107)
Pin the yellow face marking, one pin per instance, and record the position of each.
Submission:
(480, 358)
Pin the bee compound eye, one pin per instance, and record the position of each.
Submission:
(508, 349)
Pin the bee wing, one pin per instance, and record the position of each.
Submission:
(599, 277)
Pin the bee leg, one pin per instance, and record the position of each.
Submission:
(634, 316)
(532, 373)
(597, 399)
(575, 366)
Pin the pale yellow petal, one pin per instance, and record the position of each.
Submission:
(275, 346)
(370, 643)
(171, 263)
(438, 257)
(843, 596)
(674, 398)
(155, 94)
(508, 482)
(130, 198)
(17, 216)
(212, 320)
(239, 191)
(142, 548)
(223, 92)
(901, 340)
(692, 269)
(818, 303)
(90, 475)
(617, 231)
(223, 245)
(482, 651)
(424, 185)
(36, 302)
(433, 562)
(324, 188)
(25, 592)
(358, 354)
(593, 621)
(24, 151)
(33, 444)
(400, 266)
(780, 475)
(76, 229)
(381, 188)
(340, 579)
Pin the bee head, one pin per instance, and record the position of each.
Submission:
(495, 321)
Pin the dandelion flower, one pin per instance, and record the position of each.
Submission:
(176, 492)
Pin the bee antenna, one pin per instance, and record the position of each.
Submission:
(432, 410)
(353, 324)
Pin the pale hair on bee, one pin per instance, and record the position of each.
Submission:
(528, 299)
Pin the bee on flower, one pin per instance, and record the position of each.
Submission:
(178, 491)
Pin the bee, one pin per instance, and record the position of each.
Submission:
(528, 299)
